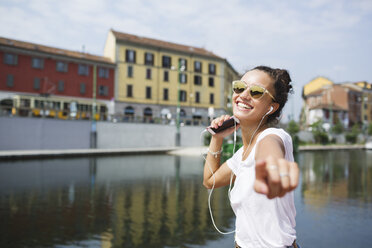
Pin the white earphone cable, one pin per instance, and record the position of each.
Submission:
(231, 177)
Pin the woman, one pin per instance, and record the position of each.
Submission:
(263, 169)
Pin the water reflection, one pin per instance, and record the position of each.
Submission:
(334, 201)
(159, 201)
(337, 175)
(147, 201)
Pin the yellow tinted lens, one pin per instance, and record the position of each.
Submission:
(239, 86)
(256, 91)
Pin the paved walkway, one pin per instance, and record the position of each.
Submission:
(19, 154)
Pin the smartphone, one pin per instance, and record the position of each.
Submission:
(225, 125)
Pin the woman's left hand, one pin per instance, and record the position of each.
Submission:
(276, 177)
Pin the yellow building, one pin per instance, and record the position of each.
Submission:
(151, 72)
(316, 84)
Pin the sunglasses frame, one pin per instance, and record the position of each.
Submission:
(248, 87)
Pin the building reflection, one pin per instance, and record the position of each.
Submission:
(331, 176)
(152, 201)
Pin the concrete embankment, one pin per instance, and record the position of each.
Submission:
(330, 147)
(177, 151)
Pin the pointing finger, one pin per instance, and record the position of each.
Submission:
(260, 184)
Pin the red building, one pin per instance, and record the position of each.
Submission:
(27, 68)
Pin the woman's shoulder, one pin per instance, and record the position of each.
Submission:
(283, 135)
(277, 131)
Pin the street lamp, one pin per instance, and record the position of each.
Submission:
(181, 68)
(93, 129)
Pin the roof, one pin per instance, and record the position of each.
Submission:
(329, 106)
(163, 44)
(314, 85)
(52, 50)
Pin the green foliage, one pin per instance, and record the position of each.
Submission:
(207, 138)
(319, 133)
(338, 128)
(370, 128)
(351, 136)
(293, 128)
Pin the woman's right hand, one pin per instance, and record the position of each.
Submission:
(218, 122)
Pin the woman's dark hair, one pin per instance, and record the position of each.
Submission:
(282, 87)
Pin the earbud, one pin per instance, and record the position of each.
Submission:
(268, 112)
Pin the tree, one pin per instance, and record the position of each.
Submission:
(370, 128)
(319, 133)
(352, 135)
(337, 128)
(293, 129)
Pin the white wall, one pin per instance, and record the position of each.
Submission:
(17, 133)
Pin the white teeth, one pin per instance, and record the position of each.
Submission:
(240, 104)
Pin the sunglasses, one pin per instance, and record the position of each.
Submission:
(255, 91)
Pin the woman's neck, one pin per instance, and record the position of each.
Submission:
(250, 133)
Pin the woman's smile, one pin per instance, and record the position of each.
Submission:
(242, 106)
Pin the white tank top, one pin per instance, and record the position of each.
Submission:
(261, 222)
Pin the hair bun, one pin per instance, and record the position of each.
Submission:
(285, 79)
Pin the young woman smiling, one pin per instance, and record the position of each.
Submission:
(264, 171)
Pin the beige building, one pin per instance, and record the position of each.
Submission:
(154, 76)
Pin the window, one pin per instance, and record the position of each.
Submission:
(130, 71)
(83, 88)
(37, 63)
(197, 97)
(166, 76)
(103, 90)
(130, 56)
(147, 112)
(212, 69)
(183, 78)
(183, 96)
(183, 63)
(10, 59)
(211, 82)
(129, 111)
(83, 70)
(61, 66)
(37, 83)
(129, 90)
(148, 73)
(149, 59)
(211, 98)
(148, 92)
(61, 86)
(165, 95)
(166, 62)
(10, 80)
(197, 80)
(197, 66)
(103, 72)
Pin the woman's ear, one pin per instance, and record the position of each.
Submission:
(275, 106)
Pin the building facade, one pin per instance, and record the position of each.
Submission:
(37, 70)
(366, 111)
(153, 77)
(332, 103)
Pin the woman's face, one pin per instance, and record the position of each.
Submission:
(246, 108)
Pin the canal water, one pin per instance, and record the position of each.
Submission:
(159, 201)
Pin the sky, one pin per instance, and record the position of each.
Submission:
(329, 38)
